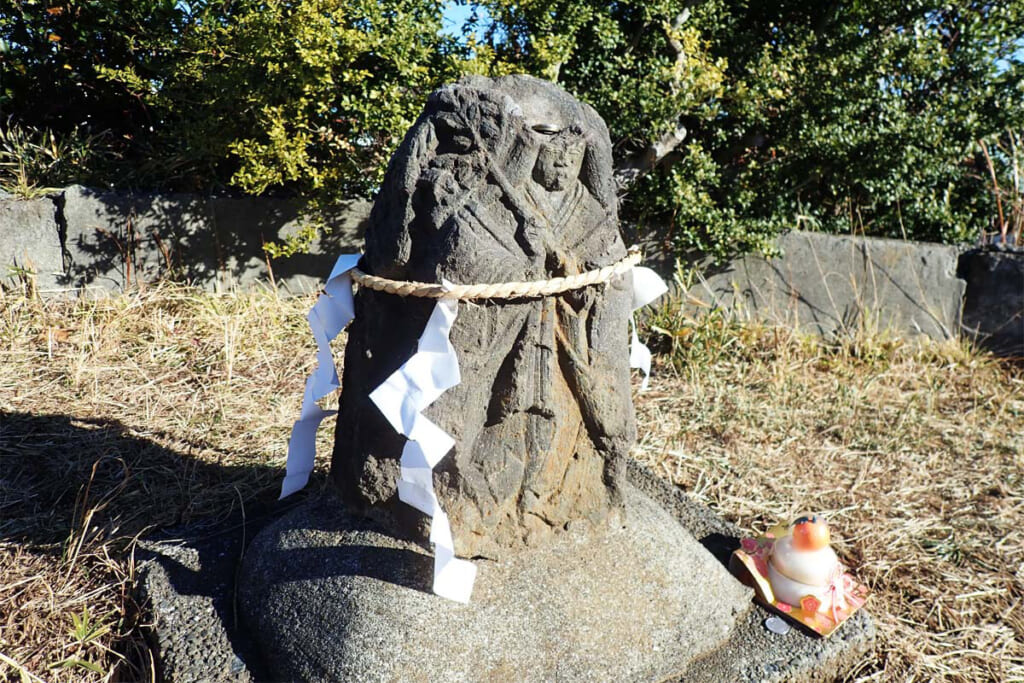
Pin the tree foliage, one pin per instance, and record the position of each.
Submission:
(859, 116)
(731, 120)
(299, 96)
(864, 116)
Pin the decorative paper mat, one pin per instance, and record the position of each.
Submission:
(750, 564)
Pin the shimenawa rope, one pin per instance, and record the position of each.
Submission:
(497, 290)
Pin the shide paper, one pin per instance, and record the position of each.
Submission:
(403, 397)
(330, 314)
(647, 287)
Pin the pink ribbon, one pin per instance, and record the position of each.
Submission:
(837, 590)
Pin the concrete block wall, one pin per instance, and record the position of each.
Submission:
(833, 285)
(30, 241)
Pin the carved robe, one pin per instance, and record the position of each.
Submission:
(542, 419)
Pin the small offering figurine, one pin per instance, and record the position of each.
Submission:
(794, 570)
(803, 565)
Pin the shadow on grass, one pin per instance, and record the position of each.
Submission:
(95, 485)
(99, 485)
(58, 471)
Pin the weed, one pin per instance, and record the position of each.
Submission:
(35, 162)
(1004, 156)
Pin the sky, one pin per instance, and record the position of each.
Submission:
(453, 16)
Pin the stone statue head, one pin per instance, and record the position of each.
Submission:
(509, 131)
(559, 156)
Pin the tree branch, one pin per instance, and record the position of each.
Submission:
(677, 48)
(635, 165)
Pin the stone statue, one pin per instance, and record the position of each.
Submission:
(499, 180)
(587, 569)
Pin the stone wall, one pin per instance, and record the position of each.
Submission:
(994, 303)
(822, 284)
(837, 285)
(99, 241)
(30, 241)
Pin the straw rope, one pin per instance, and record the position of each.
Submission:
(497, 290)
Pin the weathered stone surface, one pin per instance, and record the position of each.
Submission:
(832, 286)
(633, 601)
(297, 581)
(187, 582)
(117, 240)
(30, 242)
(994, 302)
(499, 180)
(752, 653)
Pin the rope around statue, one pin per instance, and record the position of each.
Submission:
(498, 290)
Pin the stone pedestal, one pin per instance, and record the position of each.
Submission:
(207, 626)
(326, 598)
(332, 598)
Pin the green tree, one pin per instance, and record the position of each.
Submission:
(734, 120)
(730, 120)
(864, 116)
(305, 96)
(300, 96)
(51, 57)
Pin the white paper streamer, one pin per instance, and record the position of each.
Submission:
(330, 314)
(402, 398)
(647, 287)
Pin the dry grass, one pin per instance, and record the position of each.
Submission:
(117, 416)
(171, 405)
(914, 452)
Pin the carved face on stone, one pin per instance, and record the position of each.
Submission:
(559, 158)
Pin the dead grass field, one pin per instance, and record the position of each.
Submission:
(170, 405)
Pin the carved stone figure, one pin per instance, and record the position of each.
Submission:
(506, 180)
(499, 180)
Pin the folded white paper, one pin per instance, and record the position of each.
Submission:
(330, 314)
(639, 355)
(647, 287)
(402, 398)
